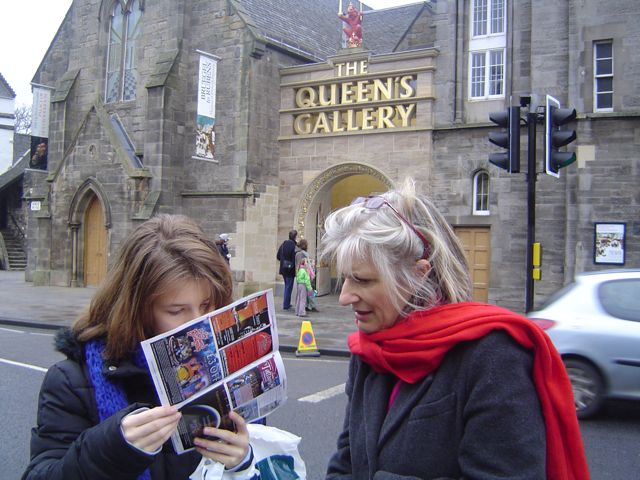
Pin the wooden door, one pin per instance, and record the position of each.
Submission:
(476, 242)
(95, 244)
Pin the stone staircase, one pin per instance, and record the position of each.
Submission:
(15, 251)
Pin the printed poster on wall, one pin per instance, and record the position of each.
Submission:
(609, 243)
(40, 127)
(206, 111)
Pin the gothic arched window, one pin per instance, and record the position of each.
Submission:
(124, 29)
(481, 193)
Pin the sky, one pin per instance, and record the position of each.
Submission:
(27, 28)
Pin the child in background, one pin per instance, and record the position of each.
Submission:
(304, 288)
(311, 299)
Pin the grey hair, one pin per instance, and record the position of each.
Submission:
(378, 237)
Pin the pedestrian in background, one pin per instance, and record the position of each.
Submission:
(98, 413)
(223, 246)
(287, 257)
(439, 386)
(302, 253)
(304, 289)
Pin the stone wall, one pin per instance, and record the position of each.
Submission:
(264, 177)
(160, 124)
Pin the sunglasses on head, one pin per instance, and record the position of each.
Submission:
(375, 202)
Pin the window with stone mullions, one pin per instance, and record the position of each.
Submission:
(477, 74)
(603, 81)
(488, 17)
(496, 72)
(487, 82)
(487, 45)
(121, 78)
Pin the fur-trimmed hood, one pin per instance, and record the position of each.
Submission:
(66, 342)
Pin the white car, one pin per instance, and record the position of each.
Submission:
(594, 324)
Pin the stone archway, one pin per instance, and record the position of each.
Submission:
(95, 245)
(89, 221)
(315, 205)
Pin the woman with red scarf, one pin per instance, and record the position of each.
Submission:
(440, 387)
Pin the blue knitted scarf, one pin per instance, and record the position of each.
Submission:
(110, 396)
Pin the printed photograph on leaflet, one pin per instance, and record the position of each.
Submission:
(222, 361)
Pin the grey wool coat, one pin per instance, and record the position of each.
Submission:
(476, 417)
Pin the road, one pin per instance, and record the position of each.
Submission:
(313, 411)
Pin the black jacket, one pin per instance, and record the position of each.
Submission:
(477, 416)
(287, 251)
(224, 250)
(70, 443)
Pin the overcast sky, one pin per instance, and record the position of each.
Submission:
(28, 26)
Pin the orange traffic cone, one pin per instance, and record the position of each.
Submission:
(307, 344)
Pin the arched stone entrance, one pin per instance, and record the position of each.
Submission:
(333, 188)
(95, 244)
(89, 220)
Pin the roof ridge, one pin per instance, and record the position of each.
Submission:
(6, 84)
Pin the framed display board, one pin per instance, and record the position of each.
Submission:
(608, 243)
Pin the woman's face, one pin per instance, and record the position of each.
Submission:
(364, 291)
(188, 300)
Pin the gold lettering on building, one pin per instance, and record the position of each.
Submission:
(353, 100)
(359, 67)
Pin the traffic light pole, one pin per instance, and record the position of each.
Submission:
(555, 137)
(532, 118)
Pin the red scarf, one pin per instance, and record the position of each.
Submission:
(415, 346)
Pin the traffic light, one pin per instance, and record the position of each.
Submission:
(510, 139)
(556, 137)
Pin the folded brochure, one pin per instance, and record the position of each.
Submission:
(224, 360)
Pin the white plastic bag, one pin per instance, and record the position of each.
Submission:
(275, 457)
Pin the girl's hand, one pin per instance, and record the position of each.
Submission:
(230, 448)
(147, 430)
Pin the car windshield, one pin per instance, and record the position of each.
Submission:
(620, 298)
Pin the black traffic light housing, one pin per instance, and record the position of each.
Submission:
(556, 137)
(509, 120)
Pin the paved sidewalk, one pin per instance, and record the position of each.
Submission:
(23, 304)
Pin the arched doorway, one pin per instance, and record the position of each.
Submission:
(330, 190)
(95, 244)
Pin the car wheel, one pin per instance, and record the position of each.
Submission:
(588, 387)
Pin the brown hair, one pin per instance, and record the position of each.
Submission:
(159, 253)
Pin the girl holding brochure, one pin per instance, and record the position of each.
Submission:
(97, 412)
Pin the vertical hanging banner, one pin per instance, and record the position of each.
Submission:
(206, 109)
(40, 127)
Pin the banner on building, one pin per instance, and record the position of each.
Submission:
(206, 110)
(40, 127)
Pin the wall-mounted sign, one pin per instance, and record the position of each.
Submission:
(608, 245)
(356, 104)
(36, 206)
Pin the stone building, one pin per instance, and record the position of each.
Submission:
(7, 123)
(250, 116)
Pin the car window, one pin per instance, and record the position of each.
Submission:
(621, 299)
